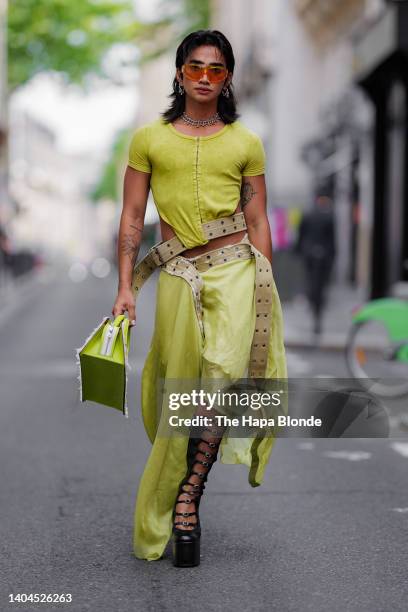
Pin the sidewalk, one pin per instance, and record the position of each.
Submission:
(335, 323)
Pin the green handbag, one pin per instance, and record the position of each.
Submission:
(103, 364)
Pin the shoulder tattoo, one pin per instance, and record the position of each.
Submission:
(247, 193)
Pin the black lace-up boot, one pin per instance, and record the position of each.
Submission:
(201, 455)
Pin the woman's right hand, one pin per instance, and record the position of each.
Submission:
(125, 301)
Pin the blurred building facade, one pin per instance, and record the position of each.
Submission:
(381, 70)
(49, 189)
(306, 78)
(155, 85)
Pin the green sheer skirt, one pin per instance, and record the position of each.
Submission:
(179, 350)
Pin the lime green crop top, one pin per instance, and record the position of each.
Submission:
(195, 179)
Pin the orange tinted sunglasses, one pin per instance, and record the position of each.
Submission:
(195, 72)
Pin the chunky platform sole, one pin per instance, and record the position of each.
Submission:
(186, 554)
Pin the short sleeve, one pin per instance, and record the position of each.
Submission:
(256, 158)
(138, 151)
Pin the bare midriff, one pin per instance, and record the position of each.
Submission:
(167, 232)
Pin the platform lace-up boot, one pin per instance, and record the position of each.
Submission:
(201, 455)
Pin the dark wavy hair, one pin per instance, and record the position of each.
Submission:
(226, 107)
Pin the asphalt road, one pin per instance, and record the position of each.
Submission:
(326, 531)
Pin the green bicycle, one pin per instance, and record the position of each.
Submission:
(377, 347)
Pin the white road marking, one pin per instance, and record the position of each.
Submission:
(349, 455)
(306, 445)
(324, 376)
(400, 509)
(400, 447)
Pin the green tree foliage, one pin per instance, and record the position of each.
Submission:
(67, 36)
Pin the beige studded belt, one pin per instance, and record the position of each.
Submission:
(166, 255)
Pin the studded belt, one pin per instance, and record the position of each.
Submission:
(166, 255)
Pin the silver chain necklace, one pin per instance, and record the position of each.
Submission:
(200, 122)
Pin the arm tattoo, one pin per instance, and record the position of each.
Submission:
(247, 193)
(130, 244)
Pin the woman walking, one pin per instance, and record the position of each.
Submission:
(218, 314)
